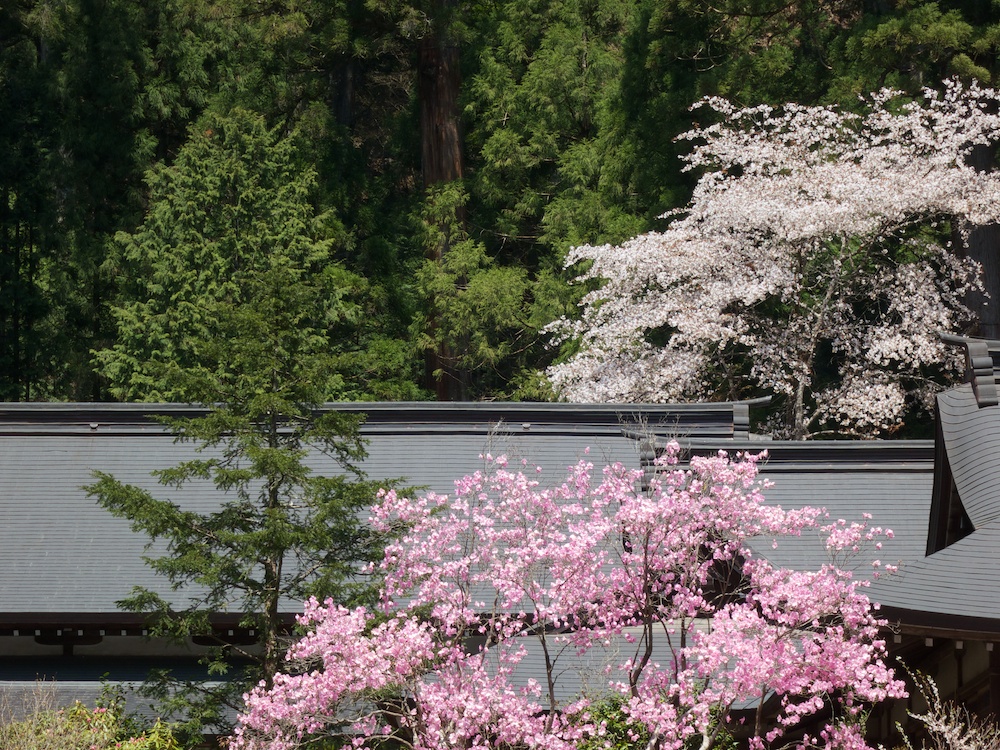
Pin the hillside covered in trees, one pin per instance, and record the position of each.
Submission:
(429, 165)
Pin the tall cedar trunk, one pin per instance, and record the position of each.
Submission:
(441, 161)
(342, 87)
(273, 651)
(983, 246)
(440, 85)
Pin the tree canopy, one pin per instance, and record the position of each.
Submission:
(566, 117)
(245, 312)
(512, 132)
(494, 598)
(813, 262)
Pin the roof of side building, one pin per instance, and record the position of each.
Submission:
(61, 553)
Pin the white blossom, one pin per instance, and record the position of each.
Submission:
(814, 235)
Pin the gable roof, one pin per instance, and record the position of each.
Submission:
(952, 586)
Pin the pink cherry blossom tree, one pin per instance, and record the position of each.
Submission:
(514, 616)
(813, 263)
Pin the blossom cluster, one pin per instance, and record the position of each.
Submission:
(812, 232)
(492, 597)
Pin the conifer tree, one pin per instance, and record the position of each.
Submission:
(243, 312)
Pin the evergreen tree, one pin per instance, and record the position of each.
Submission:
(26, 136)
(547, 173)
(480, 316)
(554, 121)
(244, 313)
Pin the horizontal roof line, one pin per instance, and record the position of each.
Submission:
(71, 620)
(940, 624)
(844, 454)
(18, 408)
(719, 419)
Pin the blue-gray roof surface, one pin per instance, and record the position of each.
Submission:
(897, 500)
(955, 587)
(891, 480)
(960, 580)
(972, 437)
(61, 552)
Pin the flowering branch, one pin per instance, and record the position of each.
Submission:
(495, 597)
(817, 241)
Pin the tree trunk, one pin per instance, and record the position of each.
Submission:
(441, 159)
(342, 89)
(273, 651)
(439, 87)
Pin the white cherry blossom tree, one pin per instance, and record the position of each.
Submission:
(813, 263)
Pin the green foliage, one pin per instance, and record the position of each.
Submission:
(917, 44)
(546, 77)
(569, 109)
(487, 317)
(91, 93)
(615, 730)
(238, 306)
(157, 737)
(233, 245)
(280, 535)
(75, 728)
(79, 727)
(25, 135)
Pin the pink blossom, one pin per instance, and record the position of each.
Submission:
(649, 578)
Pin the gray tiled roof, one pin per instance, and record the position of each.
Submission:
(891, 480)
(971, 437)
(60, 552)
(958, 581)
(954, 588)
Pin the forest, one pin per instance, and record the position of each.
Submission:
(415, 174)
